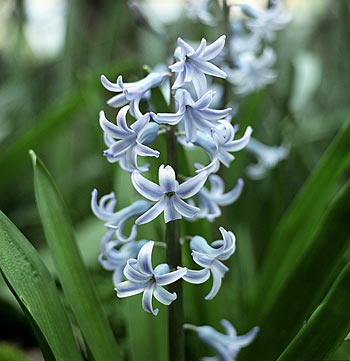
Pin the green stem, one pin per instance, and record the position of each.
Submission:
(176, 313)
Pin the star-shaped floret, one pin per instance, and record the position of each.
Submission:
(192, 65)
(226, 345)
(209, 257)
(141, 277)
(168, 195)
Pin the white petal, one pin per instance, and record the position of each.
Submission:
(167, 179)
(192, 186)
(145, 187)
(147, 299)
(152, 213)
(164, 296)
(144, 258)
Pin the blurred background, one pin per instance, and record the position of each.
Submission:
(52, 53)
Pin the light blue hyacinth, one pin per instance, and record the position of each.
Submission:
(268, 157)
(221, 144)
(195, 115)
(116, 220)
(115, 254)
(133, 92)
(210, 201)
(209, 257)
(127, 143)
(142, 278)
(192, 65)
(228, 345)
(252, 72)
(266, 22)
(168, 195)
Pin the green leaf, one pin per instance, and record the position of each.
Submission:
(327, 326)
(35, 290)
(301, 293)
(293, 236)
(72, 273)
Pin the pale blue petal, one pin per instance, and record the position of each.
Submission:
(140, 123)
(109, 85)
(110, 128)
(127, 288)
(217, 279)
(121, 119)
(161, 269)
(170, 212)
(191, 186)
(230, 330)
(144, 258)
(199, 82)
(133, 275)
(163, 296)
(214, 49)
(145, 187)
(168, 118)
(167, 180)
(147, 299)
(209, 68)
(246, 339)
(230, 197)
(200, 244)
(101, 210)
(171, 277)
(197, 276)
(145, 151)
(152, 213)
(149, 134)
(185, 209)
(239, 144)
(118, 101)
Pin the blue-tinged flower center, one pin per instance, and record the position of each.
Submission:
(169, 194)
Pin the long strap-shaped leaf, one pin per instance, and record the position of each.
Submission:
(35, 290)
(293, 235)
(327, 327)
(72, 273)
(303, 290)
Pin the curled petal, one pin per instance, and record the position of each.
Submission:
(144, 258)
(164, 296)
(147, 299)
(215, 48)
(171, 277)
(192, 186)
(134, 275)
(197, 276)
(127, 288)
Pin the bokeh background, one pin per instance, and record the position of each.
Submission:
(52, 53)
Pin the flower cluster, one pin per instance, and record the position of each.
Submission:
(197, 124)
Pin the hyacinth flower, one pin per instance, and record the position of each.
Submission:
(192, 65)
(141, 277)
(115, 221)
(126, 143)
(115, 254)
(209, 201)
(221, 144)
(209, 257)
(131, 92)
(199, 10)
(226, 345)
(265, 23)
(252, 72)
(268, 158)
(168, 195)
(195, 115)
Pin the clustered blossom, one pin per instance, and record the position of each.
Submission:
(226, 345)
(197, 124)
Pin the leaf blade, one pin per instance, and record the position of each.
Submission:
(36, 292)
(72, 273)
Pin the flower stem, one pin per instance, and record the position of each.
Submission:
(176, 314)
